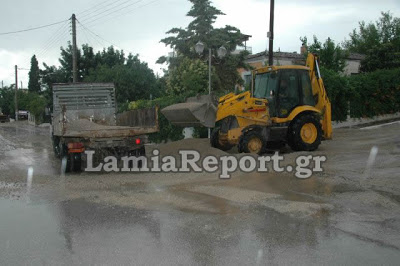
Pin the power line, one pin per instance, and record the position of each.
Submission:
(30, 29)
(97, 8)
(63, 34)
(54, 38)
(122, 14)
(85, 30)
(121, 7)
(86, 35)
(98, 36)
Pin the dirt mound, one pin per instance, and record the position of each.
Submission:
(203, 146)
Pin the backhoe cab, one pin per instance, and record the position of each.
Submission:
(287, 104)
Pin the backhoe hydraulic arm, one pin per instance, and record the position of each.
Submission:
(319, 92)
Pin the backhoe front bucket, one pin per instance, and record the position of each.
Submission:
(196, 111)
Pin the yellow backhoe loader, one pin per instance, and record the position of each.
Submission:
(287, 104)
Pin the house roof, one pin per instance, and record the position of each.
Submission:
(356, 56)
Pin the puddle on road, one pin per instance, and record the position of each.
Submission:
(18, 161)
(77, 231)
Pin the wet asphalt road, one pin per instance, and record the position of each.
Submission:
(45, 228)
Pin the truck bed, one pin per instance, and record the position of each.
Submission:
(88, 110)
(83, 128)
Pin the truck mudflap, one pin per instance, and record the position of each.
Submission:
(196, 111)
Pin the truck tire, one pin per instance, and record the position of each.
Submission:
(75, 164)
(65, 156)
(252, 141)
(57, 147)
(214, 140)
(305, 133)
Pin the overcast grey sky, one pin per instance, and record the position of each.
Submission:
(138, 25)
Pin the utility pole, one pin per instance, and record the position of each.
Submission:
(21, 85)
(2, 85)
(16, 93)
(271, 34)
(209, 81)
(74, 51)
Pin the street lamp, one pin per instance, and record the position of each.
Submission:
(221, 52)
(199, 47)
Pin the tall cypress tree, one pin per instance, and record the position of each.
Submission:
(34, 85)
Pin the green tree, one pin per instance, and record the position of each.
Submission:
(6, 98)
(384, 56)
(201, 29)
(379, 41)
(34, 75)
(189, 76)
(87, 59)
(133, 80)
(36, 106)
(66, 61)
(332, 56)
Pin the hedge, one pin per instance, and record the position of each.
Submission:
(375, 93)
(369, 94)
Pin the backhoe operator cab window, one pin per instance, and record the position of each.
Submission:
(284, 90)
(308, 98)
(265, 88)
(288, 92)
(265, 85)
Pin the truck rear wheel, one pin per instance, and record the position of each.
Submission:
(57, 147)
(75, 162)
(305, 133)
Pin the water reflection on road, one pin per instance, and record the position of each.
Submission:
(73, 232)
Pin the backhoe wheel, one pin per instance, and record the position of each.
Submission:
(216, 143)
(305, 133)
(252, 142)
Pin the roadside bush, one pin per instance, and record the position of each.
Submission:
(375, 93)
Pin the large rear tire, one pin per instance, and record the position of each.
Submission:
(75, 162)
(305, 133)
(216, 143)
(57, 147)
